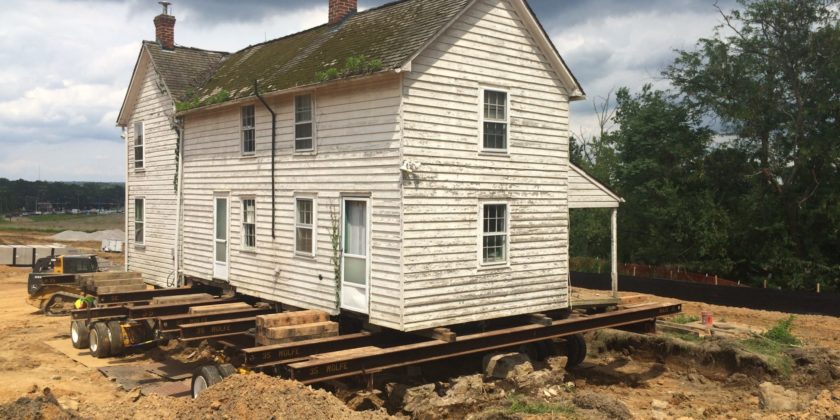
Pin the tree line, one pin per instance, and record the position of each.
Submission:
(22, 196)
(734, 169)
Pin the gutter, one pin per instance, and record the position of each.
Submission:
(125, 205)
(273, 155)
(178, 124)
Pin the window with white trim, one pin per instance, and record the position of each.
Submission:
(249, 223)
(494, 238)
(139, 138)
(139, 221)
(305, 226)
(494, 120)
(304, 129)
(249, 140)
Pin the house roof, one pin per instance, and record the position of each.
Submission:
(183, 69)
(391, 33)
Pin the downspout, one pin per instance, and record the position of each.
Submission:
(178, 124)
(273, 153)
(125, 205)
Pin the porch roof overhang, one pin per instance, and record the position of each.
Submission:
(587, 193)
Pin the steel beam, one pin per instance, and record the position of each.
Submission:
(216, 329)
(93, 313)
(142, 295)
(143, 312)
(171, 323)
(311, 371)
(277, 353)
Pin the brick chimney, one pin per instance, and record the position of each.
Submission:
(165, 27)
(340, 9)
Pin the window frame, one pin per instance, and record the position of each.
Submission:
(482, 119)
(142, 146)
(313, 138)
(141, 221)
(482, 234)
(243, 219)
(243, 128)
(313, 227)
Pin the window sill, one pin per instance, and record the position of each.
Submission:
(494, 153)
(248, 156)
(248, 251)
(310, 257)
(140, 246)
(494, 267)
(139, 170)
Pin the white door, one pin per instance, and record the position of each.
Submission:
(355, 262)
(220, 238)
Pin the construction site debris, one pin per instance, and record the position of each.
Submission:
(73, 235)
(772, 397)
(43, 406)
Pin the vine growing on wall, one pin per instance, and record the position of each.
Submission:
(335, 242)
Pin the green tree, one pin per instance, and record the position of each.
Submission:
(770, 76)
(670, 216)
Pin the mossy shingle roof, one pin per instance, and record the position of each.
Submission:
(392, 33)
(184, 70)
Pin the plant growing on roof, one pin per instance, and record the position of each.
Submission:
(353, 66)
(193, 101)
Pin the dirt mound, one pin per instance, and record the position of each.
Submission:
(72, 235)
(43, 406)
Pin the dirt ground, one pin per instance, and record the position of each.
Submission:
(625, 376)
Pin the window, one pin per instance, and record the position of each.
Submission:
(494, 121)
(304, 226)
(139, 221)
(249, 223)
(139, 154)
(249, 142)
(494, 233)
(303, 123)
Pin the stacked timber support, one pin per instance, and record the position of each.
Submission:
(289, 327)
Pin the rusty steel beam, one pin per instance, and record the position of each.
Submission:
(144, 312)
(171, 323)
(94, 313)
(315, 370)
(142, 295)
(278, 353)
(216, 329)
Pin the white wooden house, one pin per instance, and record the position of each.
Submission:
(409, 163)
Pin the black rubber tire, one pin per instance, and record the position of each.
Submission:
(226, 370)
(575, 350)
(100, 346)
(203, 378)
(546, 349)
(79, 334)
(115, 338)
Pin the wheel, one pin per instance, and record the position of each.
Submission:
(226, 370)
(100, 345)
(79, 334)
(205, 377)
(575, 350)
(115, 337)
(546, 349)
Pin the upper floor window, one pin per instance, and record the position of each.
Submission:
(494, 241)
(249, 141)
(249, 223)
(139, 221)
(304, 133)
(305, 226)
(494, 121)
(139, 137)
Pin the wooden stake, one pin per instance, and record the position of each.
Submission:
(818, 287)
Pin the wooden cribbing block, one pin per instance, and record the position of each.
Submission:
(174, 300)
(541, 319)
(347, 353)
(121, 289)
(291, 318)
(222, 307)
(314, 329)
(262, 340)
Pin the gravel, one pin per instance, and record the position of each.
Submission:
(72, 235)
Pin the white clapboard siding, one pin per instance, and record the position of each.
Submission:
(489, 46)
(358, 151)
(154, 183)
(586, 193)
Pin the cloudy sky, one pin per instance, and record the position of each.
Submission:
(65, 64)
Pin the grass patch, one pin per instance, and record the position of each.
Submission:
(686, 336)
(519, 405)
(772, 345)
(13, 228)
(685, 319)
